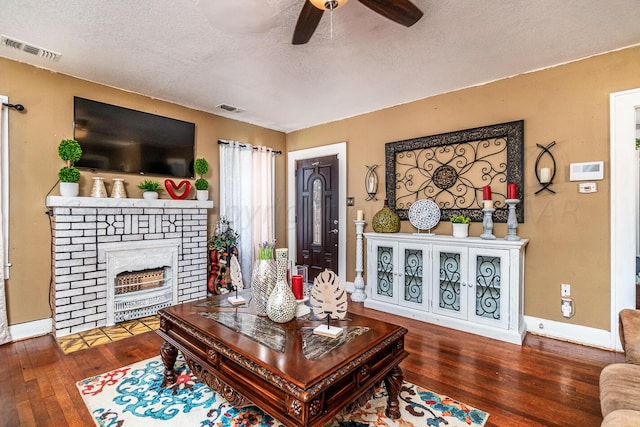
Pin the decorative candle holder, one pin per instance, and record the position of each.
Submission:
(487, 223)
(512, 221)
(371, 182)
(359, 295)
(545, 182)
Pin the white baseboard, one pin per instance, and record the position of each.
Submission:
(574, 333)
(21, 331)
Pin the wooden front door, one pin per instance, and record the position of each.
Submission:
(317, 214)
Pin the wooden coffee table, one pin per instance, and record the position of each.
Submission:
(297, 377)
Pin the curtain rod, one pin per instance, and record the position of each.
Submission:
(244, 145)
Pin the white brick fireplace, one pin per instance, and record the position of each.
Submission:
(119, 259)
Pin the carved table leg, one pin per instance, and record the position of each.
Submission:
(393, 382)
(169, 354)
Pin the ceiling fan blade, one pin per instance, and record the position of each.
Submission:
(307, 23)
(401, 11)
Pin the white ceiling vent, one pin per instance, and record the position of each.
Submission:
(29, 48)
(229, 108)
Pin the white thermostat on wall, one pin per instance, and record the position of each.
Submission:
(586, 171)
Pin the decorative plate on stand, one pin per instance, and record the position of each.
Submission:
(424, 215)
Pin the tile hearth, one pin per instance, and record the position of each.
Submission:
(103, 335)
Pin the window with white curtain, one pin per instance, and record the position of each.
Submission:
(247, 197)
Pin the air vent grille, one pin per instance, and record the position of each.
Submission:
(29, 48)
(229, 108)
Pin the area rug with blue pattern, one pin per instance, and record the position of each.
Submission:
(133, 396)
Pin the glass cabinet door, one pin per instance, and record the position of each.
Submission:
(489, 277)
(450, 291)
(412, 281)
(385, 286)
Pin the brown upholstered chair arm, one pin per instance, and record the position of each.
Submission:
(630, 335)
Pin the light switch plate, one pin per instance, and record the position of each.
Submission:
(587, 187)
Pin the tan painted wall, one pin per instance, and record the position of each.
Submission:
(568, 231)
(34, 163)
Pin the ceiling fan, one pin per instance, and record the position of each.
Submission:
(401, 11)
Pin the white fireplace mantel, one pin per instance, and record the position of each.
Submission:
(107, 202)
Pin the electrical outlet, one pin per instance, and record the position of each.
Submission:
(565, 290)
(566, 307)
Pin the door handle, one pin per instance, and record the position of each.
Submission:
(334, 231)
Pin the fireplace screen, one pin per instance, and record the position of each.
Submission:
(141, 293)
(139, 280)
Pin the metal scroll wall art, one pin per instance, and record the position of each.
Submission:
(452, 168)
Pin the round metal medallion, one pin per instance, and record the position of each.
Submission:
(424, 214)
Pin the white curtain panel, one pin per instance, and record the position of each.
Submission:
(263, 198)
(236, 198)
(4, 325)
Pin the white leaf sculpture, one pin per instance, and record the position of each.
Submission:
(236, 274)
(328, 296)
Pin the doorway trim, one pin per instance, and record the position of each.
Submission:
(339, 149)
(624, 202)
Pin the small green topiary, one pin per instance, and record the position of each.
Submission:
(201, 167)
(201, 184)
(69, 174)
(70, 151)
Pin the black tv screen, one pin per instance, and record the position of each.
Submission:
(123, 140)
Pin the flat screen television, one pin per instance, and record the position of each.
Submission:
(123, 140)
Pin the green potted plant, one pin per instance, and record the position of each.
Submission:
(70, 151)
(460, 225)
(201, 167)
(150, 189)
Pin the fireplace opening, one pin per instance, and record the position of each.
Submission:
(141, 293)
(139, 280)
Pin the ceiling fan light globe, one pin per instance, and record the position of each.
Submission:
(328, 4)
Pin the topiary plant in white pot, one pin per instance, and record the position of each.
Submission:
(460, 225)
(201, 167)
(70, 151)
(150, 189)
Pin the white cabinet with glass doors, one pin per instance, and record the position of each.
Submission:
(469, 284)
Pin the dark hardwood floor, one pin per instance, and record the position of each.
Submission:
(544, 382)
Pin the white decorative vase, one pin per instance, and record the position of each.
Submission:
(460, 230)
(118, 191)
(69, 189)
(263, 280)
(202, 195)
(150, 195)
(282, 304)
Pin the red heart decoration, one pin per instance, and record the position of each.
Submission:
(171, 187)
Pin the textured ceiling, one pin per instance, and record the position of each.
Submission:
(202, 53)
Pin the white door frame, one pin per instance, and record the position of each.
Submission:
(4, 146)
(339, 149)
(624, 202)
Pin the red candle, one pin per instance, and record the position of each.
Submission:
(296, 286)
(512, 190)
(486, 192)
